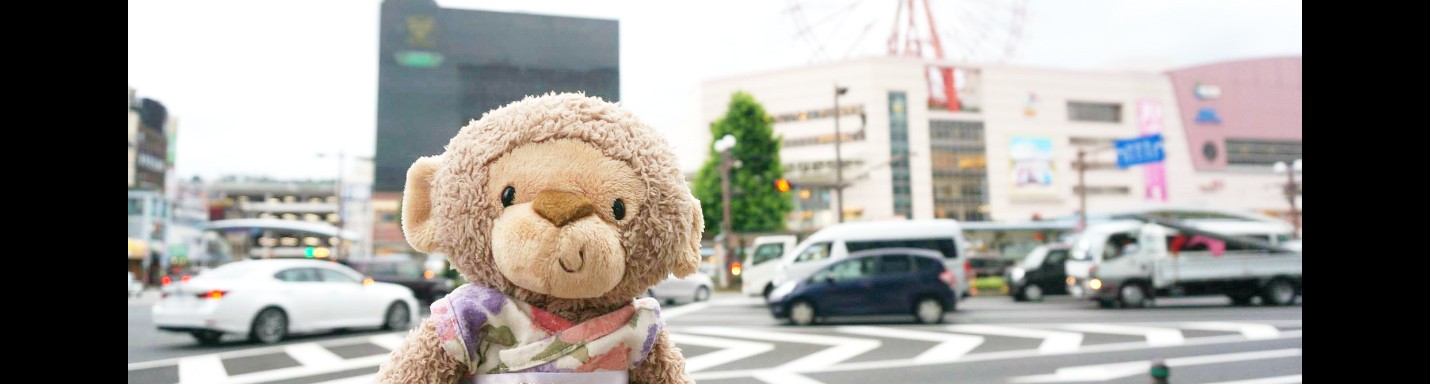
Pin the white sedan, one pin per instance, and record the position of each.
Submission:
(694, 288)
(266, 300)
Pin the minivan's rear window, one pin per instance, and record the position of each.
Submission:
(943, 245)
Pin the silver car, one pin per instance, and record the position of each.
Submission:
(694, 288)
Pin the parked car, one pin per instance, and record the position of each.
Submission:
(426, 282)
(693, 288)
(873, 282)
(1040, 273)
(267, 300)
(834, 242)
(135, 286)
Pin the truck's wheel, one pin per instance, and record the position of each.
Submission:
(1278, 292)
(1132, 296)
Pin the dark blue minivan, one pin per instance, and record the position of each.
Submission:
(887, 281)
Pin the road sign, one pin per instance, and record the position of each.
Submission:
(1141, 150)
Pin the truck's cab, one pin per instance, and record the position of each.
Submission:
(760, 264)
(1130, 262)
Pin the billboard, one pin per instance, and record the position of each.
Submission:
(1032, 165)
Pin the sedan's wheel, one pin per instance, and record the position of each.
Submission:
(397, 317)
(928, 311)
(208, 337)
(702, 294)
(1032, 293)
(1278, 292)
(270, 326)
(802, 313)
(1132, 296)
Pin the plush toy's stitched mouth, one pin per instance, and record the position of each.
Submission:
(581, 262)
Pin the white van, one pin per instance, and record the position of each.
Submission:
(1129, 263)
(758, 268)
(838, 241)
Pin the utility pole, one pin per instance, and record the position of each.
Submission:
(1291, 189)
(1081, 165)
(838, 160)
(725, 145)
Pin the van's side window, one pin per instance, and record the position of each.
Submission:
(1116, 245)
(815, 252)
(944, 245)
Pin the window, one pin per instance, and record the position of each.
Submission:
(926, 264)
(766, 252)
(1117, 245)
(1056, 257)
(894, 265)
(945, 245)
(848, 270)
(815, 252)
(332, 276)
(297, 275)
(1095, 112)
(1261, 152)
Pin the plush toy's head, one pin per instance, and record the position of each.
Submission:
(559, 200)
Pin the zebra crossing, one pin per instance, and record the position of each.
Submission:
(772, 354)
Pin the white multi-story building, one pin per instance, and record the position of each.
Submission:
(1005, 150)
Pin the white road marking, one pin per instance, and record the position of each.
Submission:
(1292, 379)
(951, 347)
(1155, 336)
(843, 347)
(784, 377)
(312, 354)
(363, 379)
(274, 349)
(390, 341)
(1006, 355)
(1104, 372)
(733, 350)
(1251, 331)
(201, 369)
(1053, 341)
(682, 310)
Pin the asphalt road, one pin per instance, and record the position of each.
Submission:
(733, 339)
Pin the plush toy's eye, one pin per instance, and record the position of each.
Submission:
(508, 196)
(618, 209)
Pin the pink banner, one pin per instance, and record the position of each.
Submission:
(1149, 119)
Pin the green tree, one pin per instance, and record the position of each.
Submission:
(755, 204)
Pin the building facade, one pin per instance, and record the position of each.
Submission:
(1003, 147)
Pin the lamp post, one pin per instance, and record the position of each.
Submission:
(725, 145)
(838, 160)
(1291, 191)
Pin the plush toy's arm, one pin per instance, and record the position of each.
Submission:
(664, 365)
(420, 359)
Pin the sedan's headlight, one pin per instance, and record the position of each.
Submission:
(782, 290)
(1017, 274)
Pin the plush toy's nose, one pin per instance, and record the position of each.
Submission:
(561, 207)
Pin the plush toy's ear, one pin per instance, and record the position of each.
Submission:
(687, 260)
(417, 204)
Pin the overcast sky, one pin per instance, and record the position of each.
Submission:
(261, 86)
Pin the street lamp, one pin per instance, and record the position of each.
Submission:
(1291, 191)
(838, 160)
(725, 146)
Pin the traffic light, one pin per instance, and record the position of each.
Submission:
(782, 185)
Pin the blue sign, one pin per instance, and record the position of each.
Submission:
(1141, 150)
(1208, 116)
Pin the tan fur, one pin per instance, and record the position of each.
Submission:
(562, 153)
(416, 205)
(664, 365)
(420, 359)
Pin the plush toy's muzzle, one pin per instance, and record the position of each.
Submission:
(556, 246)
